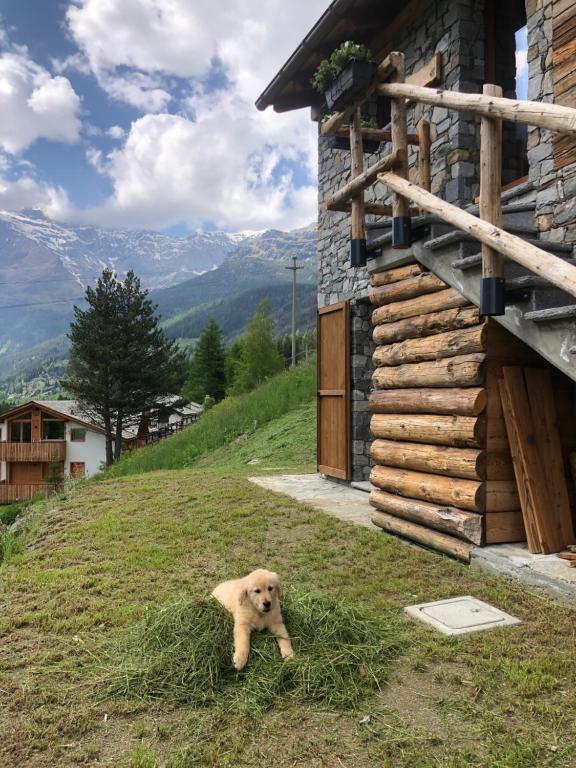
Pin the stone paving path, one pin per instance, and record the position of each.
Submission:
(335, 499)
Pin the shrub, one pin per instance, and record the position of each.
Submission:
(330, 68)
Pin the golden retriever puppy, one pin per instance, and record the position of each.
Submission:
(254, 602)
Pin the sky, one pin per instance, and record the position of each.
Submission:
(140, 113)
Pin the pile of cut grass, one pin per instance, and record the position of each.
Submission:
(229, 419)
(183, 653)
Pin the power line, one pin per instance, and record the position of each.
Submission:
(42, 303)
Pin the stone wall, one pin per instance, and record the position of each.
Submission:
(555, 190)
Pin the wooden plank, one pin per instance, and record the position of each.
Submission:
(435, 302)
(418, 533)
(542, 114)
(378, 279)
(450, 520)
(357, 168)
(450, 402)
(530, 480)
(399, 129)
(491, 183)
(457, 431)
(426, 325)
(461, 371)
(468, 463)
(406, 289)
(429, 74)
(504, 527)
(464, 494)
(461, 342)
(538, 261)
(541, 397)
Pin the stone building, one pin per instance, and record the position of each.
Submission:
(526, 47)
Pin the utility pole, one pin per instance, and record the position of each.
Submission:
(294, 269)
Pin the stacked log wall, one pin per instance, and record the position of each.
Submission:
(428, 411)
(442, 463)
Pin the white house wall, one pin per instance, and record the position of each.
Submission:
(92, 451)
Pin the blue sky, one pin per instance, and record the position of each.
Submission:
(140, 113)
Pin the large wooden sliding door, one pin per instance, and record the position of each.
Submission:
(334, 446)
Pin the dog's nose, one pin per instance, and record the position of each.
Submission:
(266, 604)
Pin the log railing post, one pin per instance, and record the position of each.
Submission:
(401, 227)
(424, 177)
(358, 239)
(492, 292)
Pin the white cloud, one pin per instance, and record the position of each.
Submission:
(19, 189)
(33, 104)
(116, 132)
(219, 159)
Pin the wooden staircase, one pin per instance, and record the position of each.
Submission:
(540, 314)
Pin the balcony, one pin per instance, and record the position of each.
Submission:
(11, 492)
(49, 450)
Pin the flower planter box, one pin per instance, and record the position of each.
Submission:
(339, 142)
(353, 79)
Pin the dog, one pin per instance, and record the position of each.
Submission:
(254, 602)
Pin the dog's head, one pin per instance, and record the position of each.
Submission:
(262, 589)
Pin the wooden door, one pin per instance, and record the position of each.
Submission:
(28, 472)
(334, 443)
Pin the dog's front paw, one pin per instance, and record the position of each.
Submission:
(288, 654)
(239, 661)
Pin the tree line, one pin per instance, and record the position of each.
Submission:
(121, 361)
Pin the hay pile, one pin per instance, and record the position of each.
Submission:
(182, 652)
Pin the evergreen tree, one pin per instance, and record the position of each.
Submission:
(207, 373)
(260, 358)
(120, 359)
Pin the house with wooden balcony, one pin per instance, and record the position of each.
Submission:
(46, 438)
(447, 265)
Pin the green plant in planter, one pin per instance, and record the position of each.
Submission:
(330, 68)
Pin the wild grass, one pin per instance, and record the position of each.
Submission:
(181, 653)
(233, 417)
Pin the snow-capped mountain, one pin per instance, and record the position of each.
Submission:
(45, 266)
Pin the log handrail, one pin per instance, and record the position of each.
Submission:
(541, 114)
(365, 179)
(538, 261)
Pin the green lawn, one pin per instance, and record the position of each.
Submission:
(96, 559)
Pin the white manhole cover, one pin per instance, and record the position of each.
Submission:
(459, 615)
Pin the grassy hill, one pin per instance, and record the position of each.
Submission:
(233, 419)
(101, 558)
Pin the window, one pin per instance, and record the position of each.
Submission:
(21, 431)
(78, 435)
(52, 429)
(77, 469)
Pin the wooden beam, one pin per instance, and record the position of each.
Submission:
(468, 463)
(426, 325)
(538, 261)
(395, 275)
(461, 371)
(366, 178)
(424, 142)
(465, 341)
(455, 522)
(457, 431)
(464, 494)
(406, 289)
(429, 74)
(398, 124)
(491, 183)
(451, 402)
(431, 302)
(376, 134)
(422, 535)
(356, 170)
(541, 114)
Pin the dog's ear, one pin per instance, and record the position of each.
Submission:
(276, 582)
(243, 596)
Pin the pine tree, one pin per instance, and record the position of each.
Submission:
(207, 372)
(120, 359)
(260, 358)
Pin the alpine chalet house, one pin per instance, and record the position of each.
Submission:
(447, 280)
(39, 434)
